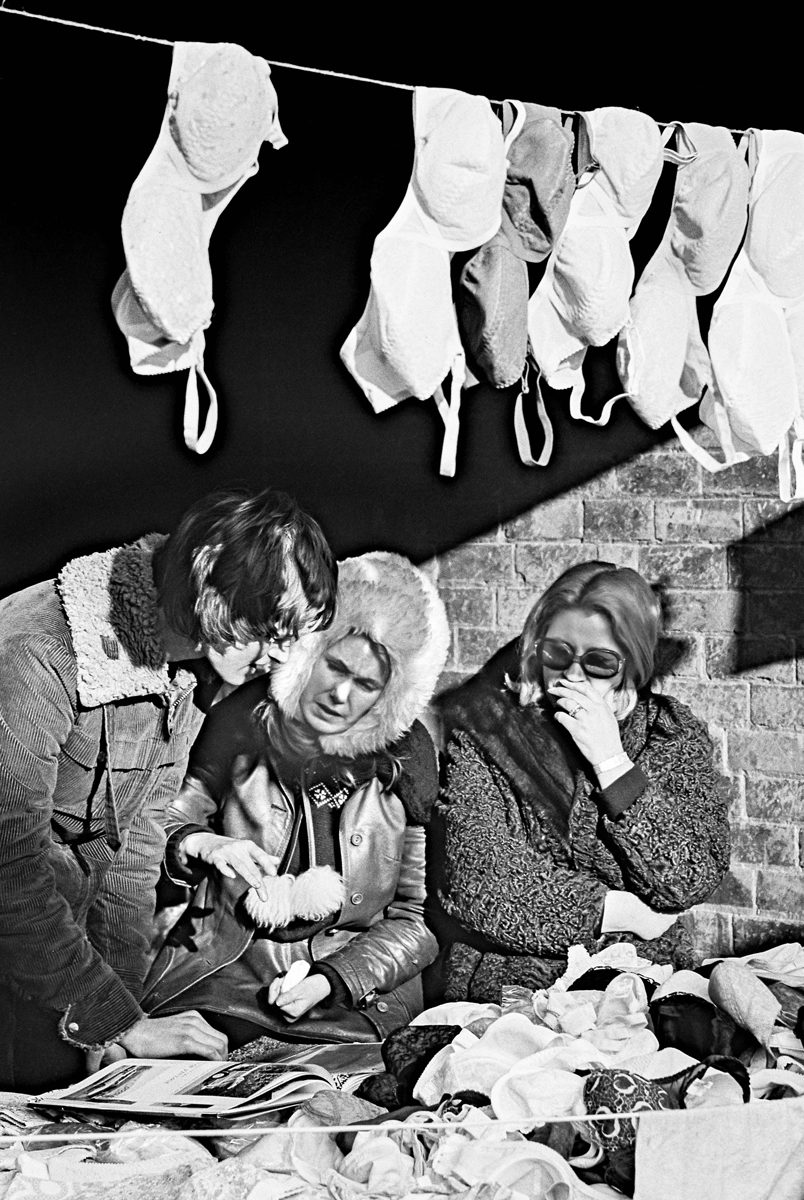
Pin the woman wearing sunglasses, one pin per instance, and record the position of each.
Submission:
(580, 806)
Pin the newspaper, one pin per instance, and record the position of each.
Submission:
(200, 1088)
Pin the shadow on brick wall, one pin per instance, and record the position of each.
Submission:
(767, 569)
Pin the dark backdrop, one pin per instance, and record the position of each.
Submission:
(92, 454)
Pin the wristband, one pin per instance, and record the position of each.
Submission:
(608, 764)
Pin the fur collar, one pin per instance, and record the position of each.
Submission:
(109, 599)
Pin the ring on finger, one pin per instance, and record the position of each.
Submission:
(576, 708)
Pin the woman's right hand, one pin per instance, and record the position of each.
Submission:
(232, 857)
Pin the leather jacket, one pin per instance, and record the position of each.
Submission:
(378, 943)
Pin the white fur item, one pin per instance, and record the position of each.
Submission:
(386, 598)
(312, 895)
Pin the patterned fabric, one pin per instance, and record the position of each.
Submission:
(616, 1091)
(529, 853)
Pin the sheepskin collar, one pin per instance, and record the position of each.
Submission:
(109, 599)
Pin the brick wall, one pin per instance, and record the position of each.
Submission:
(730, 555)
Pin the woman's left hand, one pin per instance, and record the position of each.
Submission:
(588, 717)
(298, 1000)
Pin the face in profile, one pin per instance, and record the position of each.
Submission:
(579, 646)
(345, 683)
(244, 660)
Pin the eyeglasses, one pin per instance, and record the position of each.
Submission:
(598, 663)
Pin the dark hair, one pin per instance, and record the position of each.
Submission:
(619, 594)
(245, 566)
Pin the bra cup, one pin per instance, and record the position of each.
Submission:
(755, 373)
(795, 329)
(776, 236)
(627, 145)
(652, 348)
(600, 258)
(459, 166)
(710, 221)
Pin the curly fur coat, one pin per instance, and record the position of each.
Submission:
(530, 846)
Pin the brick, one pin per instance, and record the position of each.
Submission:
(660, 475)
(473, 647)
(752, 935)
(513, 606)
(724, 704)
(749, 658)
(711, 932)
(757, 477)
(774, 613)
(767, 845)
(604, 484)
(538, 564)
(780, 891)
(774, 799)
(680, 655)
(476, 564)
(618, 520)
(763, 568)
(736, 890)
(622, 554)
(698, 520)
(767, 751)
(777, 707)
(773, 520)
(469, 606)
(680, 566)
(704, 611)
(552, 520)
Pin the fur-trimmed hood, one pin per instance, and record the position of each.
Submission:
(384, 596)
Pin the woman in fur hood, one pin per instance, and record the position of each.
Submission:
(302, 823)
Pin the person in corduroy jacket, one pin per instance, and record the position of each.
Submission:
(105, 674)
(580, 806)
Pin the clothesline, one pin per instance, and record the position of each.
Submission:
(510, 1125)
(142, 37)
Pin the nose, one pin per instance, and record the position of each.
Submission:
(340, 690)
(574, 672)
(274, 651)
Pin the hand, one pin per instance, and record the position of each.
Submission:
(184, 1035)
(232, 857)
(588, 717)
(296, 1001)
(95, 1059)
(623, 912)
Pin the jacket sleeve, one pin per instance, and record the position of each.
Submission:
(498, 881)
(42, 948)
(400, 945)
(672, 842)
(197, 805)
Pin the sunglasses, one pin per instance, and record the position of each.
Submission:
(597, 663)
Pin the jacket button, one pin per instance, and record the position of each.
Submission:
(73, 1027)
(356, 897)
(356, 839)
(382, 1006)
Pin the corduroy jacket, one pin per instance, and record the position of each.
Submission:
(95, 733)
